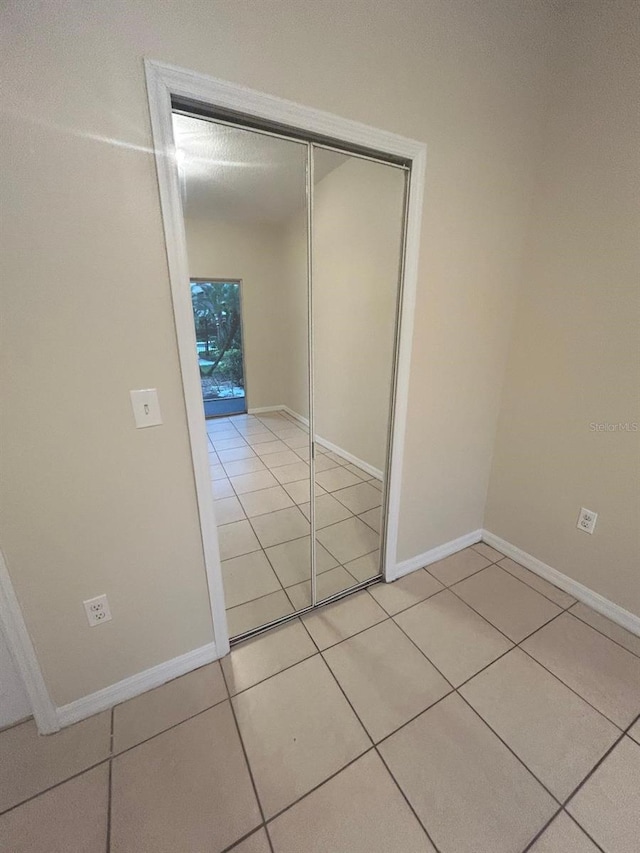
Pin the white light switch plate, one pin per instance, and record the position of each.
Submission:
(146, 408)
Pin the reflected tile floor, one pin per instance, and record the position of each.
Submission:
(407, 717)
(260, 480)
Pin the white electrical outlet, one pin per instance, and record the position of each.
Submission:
(97, 610)
(587, 520)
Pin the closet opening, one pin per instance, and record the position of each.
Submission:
(292, 229)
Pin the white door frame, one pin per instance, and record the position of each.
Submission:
(24, 656)
(165, 81)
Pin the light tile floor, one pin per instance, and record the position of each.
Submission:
(260, 478)
(468, 708)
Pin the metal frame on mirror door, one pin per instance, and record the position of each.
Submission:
(394, 376)
(312, 126)
(312, 431)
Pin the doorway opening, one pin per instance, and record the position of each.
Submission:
(217, 317)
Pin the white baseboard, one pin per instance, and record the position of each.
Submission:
(354, 460)
(128, 688)
(328, 445)
(136, 684)
(592, 599)
(262, 410)
(437, 553)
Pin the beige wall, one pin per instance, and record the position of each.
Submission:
(357, 228)
(91, 505)
(357, 242)
(253, 253)
(295, 313)
(575, 352)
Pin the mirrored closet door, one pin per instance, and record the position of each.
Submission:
(294, 252)
(357, 233)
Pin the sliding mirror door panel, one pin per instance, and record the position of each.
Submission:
(244, 196)
(357, 236)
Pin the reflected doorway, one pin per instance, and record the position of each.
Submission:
(298, 479)
(217, 316)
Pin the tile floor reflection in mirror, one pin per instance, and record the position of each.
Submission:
(260, 479)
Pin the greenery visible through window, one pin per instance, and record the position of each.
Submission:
(216, 312)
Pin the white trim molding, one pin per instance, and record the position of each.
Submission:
(587, 596)
(334, 448)
(161, 84)
(136, 684)
(614, 612)
(24, 656)
(348, 457)
(409, 283)
(128, 688)
(435, 554)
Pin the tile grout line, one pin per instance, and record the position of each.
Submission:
(406, 798)
(264, 551)
(593, 628)
(332, 569)
(568, 608)
(524, 651)
(284, 669)
(320, 784)
(342, 463)
(55, 785)
(619, 738)
(557, 677)
(109, 802)
(235, 844)
(448, 586)
(259, 597)
(263, 548)
(285, 589)
(526, 583)
(375, 745)
(112, 757)
(247, 762)
(455, 690)
(526, 767)
(344, 639)
(16, 724)
(542, 829)
(382, 740)
(109, 781)
(603, 758)
(187, 719)
(573, 820)
(173, 725)
(392, 618)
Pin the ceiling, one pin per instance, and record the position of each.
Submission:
(240, 175)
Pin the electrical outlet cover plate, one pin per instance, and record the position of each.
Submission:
(587, 520)
(97, 610)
